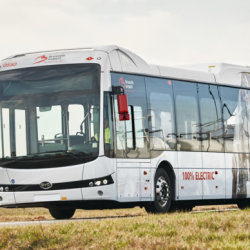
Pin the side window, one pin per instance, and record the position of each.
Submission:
(211, 126)
(235, 109)
(132, 140)
(161, 114)
(187, 116)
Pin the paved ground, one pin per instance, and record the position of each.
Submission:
(27, 223)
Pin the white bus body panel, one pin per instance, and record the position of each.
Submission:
(52, 175)
(101, 167)
(215, 189)
(109, 192)
(8, 197)
(189, 160)
(189, 189)
(184, 74)
(57, 195)
(135, 179)
(213, 160)
(99, 57)
(229, 183)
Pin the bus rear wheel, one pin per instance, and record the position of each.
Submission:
(162, 190)
(60, 214)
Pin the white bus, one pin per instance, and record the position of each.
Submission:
(99, 128)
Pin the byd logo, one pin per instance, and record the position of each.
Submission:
(45, 185)
(41, 59)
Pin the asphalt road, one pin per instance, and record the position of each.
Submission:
(27, 223)
(41, 222)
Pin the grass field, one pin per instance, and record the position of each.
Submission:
(179, 230)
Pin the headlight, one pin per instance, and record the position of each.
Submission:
(98, 183)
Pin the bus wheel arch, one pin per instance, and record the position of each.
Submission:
(170, 171)
(163, 192)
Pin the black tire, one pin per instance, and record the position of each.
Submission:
(163, 193)
(243, 204)
(60, 214)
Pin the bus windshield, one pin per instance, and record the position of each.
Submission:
(50, 112)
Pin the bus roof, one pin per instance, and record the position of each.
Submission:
(123, 60)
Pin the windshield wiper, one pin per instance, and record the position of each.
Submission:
(16, 160)
(35, 158)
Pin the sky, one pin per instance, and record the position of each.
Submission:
(163, 32)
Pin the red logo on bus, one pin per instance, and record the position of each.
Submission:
(41, 58)
(121, 82)
(89, 58)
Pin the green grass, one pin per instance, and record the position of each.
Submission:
(227, 230)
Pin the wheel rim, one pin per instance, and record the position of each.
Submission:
(162, 191)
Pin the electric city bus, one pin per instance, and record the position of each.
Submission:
(99, 128)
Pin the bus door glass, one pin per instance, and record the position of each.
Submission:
(14, 130)
(6, 131)
(132, 140)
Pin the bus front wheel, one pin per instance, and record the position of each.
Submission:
(60, 214)
(243, 204)
(162, 191)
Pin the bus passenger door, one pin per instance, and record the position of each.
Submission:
(134, 173)
(7, 197)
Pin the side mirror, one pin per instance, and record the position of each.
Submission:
(123, 107)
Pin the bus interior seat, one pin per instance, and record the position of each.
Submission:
(158, 144)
